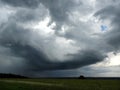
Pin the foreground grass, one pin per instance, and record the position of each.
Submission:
(58, 84)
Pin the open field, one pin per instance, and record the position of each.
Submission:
(58, 84)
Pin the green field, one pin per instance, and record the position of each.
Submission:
(58, 84)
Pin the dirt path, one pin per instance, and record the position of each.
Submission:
(33, 83)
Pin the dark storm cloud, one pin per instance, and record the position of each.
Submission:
(59, 10)
(38, 61)
(24, 50)
(13, 33)
(17, 39)
(111, 13)
(22, 3)
(30, 15)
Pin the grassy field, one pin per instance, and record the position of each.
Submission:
(58, 84)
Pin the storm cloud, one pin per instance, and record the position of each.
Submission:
(52, 35)
(113, 36)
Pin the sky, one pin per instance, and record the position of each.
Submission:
(60, 38)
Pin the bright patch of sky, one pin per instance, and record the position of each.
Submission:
(104, 28)
(111, 60)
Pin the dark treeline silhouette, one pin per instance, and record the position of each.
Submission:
(9, 75)
(4, 75)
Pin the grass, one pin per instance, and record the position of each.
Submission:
(58, 84)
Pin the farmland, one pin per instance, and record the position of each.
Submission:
(59, 84)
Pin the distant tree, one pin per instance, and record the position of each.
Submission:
(81, 77)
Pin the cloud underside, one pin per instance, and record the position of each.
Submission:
(48, 35)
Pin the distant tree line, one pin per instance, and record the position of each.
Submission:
(9, 75)
(4, 75)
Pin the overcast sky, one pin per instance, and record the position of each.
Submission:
(57, 38)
